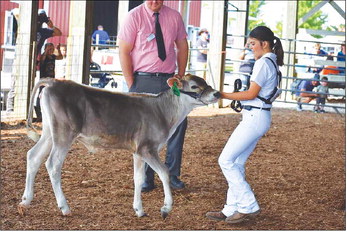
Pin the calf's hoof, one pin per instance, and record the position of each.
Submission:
(164, 214)
(143, 214)
(68, 214)
(65, 210)
(165, 211)
(21, 209)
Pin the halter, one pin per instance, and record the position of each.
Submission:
(195, 95)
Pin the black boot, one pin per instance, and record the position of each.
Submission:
(176, 183)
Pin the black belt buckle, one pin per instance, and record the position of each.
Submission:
(157, 74)
(255, 107)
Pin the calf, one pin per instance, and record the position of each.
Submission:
(98, 118)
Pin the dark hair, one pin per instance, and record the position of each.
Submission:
(324, 79)
(263, 33)
(203, 31)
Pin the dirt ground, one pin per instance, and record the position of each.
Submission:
(298, 172)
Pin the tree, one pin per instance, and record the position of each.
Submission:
(316, 21)
(254, 12)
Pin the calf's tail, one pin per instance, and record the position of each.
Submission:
(31, 131)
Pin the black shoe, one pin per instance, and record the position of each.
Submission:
(176, 183)
(37, 120)
(148, 186)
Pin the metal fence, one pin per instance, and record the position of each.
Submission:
(106, 56)
(305, 62)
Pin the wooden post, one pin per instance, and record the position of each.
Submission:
(216, 55)
(79, 41)
(123, 9)
(289, 31)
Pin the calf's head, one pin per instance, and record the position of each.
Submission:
(196, 88)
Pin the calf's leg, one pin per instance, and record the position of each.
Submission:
(35, 158)
(163, 173)
(139, 176)
(54, 165)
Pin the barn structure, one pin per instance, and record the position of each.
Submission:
(78, 19)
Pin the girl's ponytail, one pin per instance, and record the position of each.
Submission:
(278, 50)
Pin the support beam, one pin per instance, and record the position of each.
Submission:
(338, 9)
(312, 11)
(216, 55)
(79, 41)
(123, 9)
(289, 32)
(24, 58)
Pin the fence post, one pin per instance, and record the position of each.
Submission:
(24, 61)
(289, 31)
(216, 56)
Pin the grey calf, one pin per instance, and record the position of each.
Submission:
(141, 123)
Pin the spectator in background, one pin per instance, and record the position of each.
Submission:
(47, 70)
(41, 35)
(307, 86)
(330, 69)
(202, 44)
(60, 65)
(317, 52)
(323, 91)
(246, 66)
(341, 56)
(100, 36)
(45, 33)
(15, 13)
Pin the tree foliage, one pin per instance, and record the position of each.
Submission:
(254, 12)
(316, 21)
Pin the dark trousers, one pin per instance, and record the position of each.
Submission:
(173, 160)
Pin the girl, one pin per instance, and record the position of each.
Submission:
(256, 119)
(47, 66)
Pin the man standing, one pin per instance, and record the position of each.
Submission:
(148, 58)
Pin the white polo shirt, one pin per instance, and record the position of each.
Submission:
(265, 75)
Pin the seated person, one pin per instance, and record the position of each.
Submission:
(317, 54)
(341, 56)
(103, 36)
(308, 86)
(329, 69)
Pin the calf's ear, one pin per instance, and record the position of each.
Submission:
(173, 80)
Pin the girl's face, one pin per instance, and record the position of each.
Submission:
(50, 49)
(258, 47)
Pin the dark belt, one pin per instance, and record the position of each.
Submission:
(154, 74)
(255, 107)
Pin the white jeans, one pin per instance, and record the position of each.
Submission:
(255, 123)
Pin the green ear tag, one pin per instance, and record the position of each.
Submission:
(175, 89)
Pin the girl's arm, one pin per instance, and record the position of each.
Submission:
(249, 94)
(60, 56)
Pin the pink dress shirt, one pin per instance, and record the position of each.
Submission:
(138, 29)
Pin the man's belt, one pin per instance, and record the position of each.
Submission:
(158, 74)
(255, 107)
